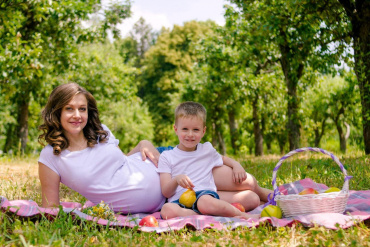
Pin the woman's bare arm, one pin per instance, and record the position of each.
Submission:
(50, 182)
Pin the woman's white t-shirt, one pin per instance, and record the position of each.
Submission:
(103, 173)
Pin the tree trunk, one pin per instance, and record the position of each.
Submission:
(319, 135)
(293, 120)
(233, 131)
(362, 69)
(281, 146)
(293, 70)
(268, 145)
(359, 15)
(221, 143)
(342, 138)
(348, 130)
(250, 148)
(23, 123)
(342, 135)
(214, 135)
(11, 139)
(217, 138)
(258, 138)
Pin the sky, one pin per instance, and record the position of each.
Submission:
(166, 13)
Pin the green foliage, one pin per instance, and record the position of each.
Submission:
(130, 122)
(236, 71)
(39, 40)
(100, 69)
(128, 50)
(329, 104)
(164, 62)
(294, 35)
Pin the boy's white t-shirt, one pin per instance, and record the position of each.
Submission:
(197, 165)
(103, 173)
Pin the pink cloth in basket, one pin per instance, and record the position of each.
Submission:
(357, 210)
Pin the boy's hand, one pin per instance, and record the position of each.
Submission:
(239, 174)
(184, 181)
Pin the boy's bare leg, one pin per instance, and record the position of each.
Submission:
(223, 179)
(209, 205)
(247, 198)
(172, 210)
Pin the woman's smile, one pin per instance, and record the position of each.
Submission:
(74, 116)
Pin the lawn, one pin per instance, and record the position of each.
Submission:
(18, 180)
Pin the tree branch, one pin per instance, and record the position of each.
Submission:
(348, 7)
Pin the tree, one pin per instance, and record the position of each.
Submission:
(358, 16)
(219, 90)
(315, 106)
(144, 36)
(342, 108)
(241, 64)
(133, 47)
(332, 103)
(100, 69)
(163, 65)
(296, 30)
(39, 38)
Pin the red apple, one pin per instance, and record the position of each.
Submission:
(149, 220)
(238, 206)
(308, 191)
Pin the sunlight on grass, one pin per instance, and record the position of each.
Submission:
(19, 180)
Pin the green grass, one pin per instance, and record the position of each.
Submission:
(18, 180)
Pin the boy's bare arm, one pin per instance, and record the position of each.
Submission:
(169, 184)
(239, 174)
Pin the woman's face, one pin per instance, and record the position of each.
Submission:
(74, 116)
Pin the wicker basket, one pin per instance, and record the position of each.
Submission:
(294, 204)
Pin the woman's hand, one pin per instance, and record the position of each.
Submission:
(147, 150)
(184, 181)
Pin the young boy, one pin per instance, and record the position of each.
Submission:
(189, 165)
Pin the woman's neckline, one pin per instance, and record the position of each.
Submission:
(76, 151)
(75, 146)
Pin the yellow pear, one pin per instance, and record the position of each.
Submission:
(332, 189)
(188, 198)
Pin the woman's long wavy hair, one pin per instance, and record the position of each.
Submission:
(52, 127)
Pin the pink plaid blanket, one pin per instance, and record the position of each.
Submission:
(357, 210)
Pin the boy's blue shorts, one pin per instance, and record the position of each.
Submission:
(198, 194)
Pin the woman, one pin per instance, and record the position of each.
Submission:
(83, 154)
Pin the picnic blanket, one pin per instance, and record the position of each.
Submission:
(357, 210)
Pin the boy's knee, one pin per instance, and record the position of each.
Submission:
(207, 204)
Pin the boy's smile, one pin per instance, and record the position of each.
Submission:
(190, 131)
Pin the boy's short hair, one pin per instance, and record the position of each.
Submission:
(191, 109)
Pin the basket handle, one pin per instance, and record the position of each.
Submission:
(291, 153)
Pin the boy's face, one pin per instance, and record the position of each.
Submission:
(190, 131)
